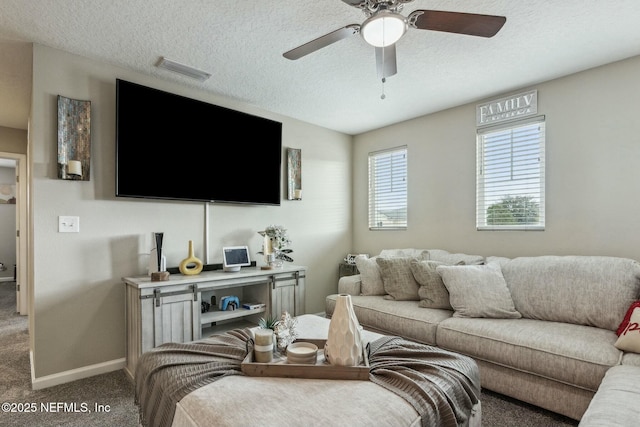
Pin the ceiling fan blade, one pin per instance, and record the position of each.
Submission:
(321, 42)
(457, 22)
(386, 61)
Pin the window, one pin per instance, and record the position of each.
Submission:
(510, 176)
(388, 189)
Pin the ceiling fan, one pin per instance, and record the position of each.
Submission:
(385, 25)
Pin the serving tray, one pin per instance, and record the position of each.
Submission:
(279, 367)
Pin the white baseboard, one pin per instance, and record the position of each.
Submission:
(74, 374)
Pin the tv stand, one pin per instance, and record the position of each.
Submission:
(170, 311)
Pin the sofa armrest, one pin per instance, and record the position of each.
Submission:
(349, 285)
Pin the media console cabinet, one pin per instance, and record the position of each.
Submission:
(171, 310)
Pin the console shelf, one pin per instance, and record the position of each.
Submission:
(238, 323)
(171, 310)
(219, 315)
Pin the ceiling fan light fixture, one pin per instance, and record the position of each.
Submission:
(384, 28)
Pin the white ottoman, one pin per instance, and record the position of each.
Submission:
(242, 400)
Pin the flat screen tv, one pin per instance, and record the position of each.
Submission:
(177, 148)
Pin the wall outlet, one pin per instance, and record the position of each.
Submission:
(68, 224)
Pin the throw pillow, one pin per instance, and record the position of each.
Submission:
(370, 279)
(478, 291)
(398, 281)
(404, 253)
(432, 292)
(453, 259)
(627, 317)
(629, 339)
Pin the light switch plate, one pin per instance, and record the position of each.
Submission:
(68, 224)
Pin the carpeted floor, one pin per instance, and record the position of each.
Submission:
(74, 404)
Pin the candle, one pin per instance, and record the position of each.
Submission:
(264, 336)
(74, 167)
(268, 248)
(263, 349)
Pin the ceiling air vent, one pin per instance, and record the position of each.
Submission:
(183, 69)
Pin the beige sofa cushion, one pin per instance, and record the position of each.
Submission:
(630, 359)
(478, 291)
(370, 275)
(403, 318)
(572, 354)
(398, 280)
(616, 402)
(451, 259)
(404, 253)
(432, 292)
(584, 290)
(371, 280)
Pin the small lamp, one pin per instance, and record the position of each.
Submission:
(74, 168)
(383, 28)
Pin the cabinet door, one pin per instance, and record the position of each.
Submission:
(176, 319)
(287, 294)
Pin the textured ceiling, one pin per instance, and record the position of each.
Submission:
(241, 44)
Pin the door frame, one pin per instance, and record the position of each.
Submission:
(22, 207)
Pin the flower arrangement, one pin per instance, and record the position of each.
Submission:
(268, 323)
(284, 329)
(279, 242)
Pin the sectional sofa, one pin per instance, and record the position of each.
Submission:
(543, 329)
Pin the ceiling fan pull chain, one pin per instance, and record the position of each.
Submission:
(384, 78)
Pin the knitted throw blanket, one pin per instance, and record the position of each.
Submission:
(165, 374)
(442, 386)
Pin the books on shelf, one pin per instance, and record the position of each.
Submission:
(253, 305)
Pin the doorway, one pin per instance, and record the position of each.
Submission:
(13, 191)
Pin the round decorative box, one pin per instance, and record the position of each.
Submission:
(302, 353)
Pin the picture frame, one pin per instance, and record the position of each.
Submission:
(350, 258)
(294, 174)
(74, 139)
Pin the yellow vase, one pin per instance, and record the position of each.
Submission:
(190, 265)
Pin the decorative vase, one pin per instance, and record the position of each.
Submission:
(276, 262)
(344, 343)
(190, 265)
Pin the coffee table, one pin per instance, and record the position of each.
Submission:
(267, 401)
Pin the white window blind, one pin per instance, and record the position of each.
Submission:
(388, 189)
(510, 176)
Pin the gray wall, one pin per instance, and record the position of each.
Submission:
(78, 297)
(78, 300)
(592, 173)
(13, 140)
